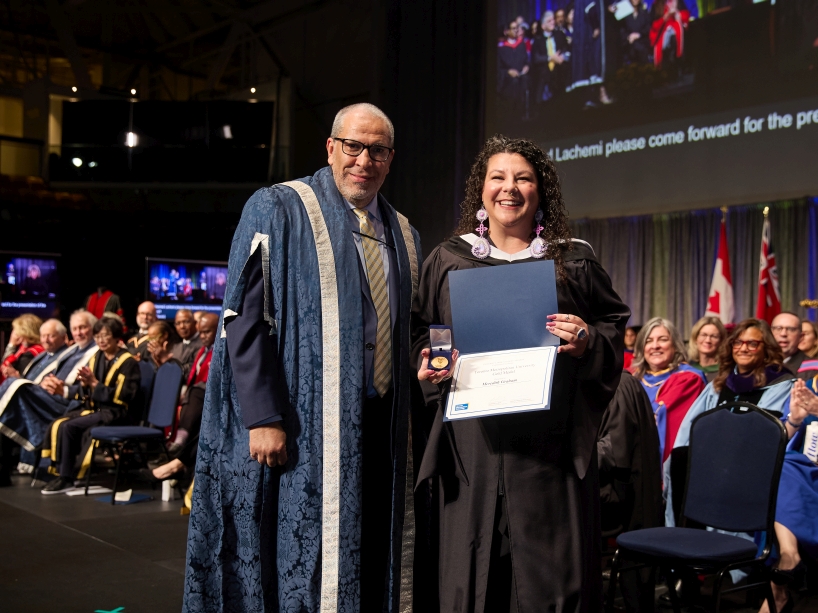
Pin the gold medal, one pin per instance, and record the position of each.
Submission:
(440, 362)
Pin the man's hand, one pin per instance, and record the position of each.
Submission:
(53, 385)
(634, 36)
(10, 372)
(268, 444)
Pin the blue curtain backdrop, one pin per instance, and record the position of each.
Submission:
(663, 264)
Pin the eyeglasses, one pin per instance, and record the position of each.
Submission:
(790, 329)
(751, 345)
(379, 153)
(710, 337)
(103, 336)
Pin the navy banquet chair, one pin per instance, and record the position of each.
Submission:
(164, 398)
(735, 459)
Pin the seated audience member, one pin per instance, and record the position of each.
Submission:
(630, 342)
(52, 338)
(188, 344)
(162, 338)
(547, 60)
(809, 339)
(660, 364)
(787, 330)
(636, 48)
(513, 66)
(25, 333)
(184, 446)
(796, 523)
(705, 342)
(667, 31)
(108, 386)
(138, 343)
(751, 370)
(630, 477)
(197, 316)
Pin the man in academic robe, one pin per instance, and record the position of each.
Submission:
(547, 57)
(52, 337)
(189, 343)
(28, 409)
(513, 66)
(138, 343)
(786, 327)
(303, 482)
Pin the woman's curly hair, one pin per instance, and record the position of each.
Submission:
(555, 219)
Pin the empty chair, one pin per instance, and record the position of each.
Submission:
(735, 459)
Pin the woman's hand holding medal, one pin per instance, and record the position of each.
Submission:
(571, 329)
(426, 373)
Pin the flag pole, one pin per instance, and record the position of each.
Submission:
(724, 213)
(766, 211)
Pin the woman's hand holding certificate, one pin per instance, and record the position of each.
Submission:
(571, 329)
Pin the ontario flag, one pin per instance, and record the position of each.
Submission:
(769, 296)
(720, 300)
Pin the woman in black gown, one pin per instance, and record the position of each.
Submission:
(519, 516)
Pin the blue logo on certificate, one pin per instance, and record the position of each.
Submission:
(461, 407)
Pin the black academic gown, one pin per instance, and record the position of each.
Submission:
(630, 468)
(542, 463)
(639, 51)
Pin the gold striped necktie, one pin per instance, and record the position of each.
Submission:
(380, 297)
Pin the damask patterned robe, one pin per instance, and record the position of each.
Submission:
(288, 539)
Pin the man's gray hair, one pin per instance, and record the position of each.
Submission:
(546, 15)
(90, 318)
(338, 123)
(58, 326)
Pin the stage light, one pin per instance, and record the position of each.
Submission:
(74, 89)
(252, 100)
(131, 140)
(92, 164)
(227, 132)
(252, 90)
(76, 162)
(133, 92)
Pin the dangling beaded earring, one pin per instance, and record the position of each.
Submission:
(538, 245)
(481, 247)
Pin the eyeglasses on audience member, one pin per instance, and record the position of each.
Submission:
(751, 345)
(789, 329)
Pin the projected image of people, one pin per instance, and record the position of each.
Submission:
(186, 283)
(28, 285)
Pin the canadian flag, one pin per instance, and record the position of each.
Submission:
(769, 296)
(720, 300)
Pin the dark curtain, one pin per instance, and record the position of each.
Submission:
(434, 82)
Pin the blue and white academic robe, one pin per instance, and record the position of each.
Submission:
(288, 540)
(27, 410)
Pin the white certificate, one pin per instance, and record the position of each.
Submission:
(500, 382)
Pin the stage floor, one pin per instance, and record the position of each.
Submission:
(76, 554)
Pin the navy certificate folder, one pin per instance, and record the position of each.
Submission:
(498, 308)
